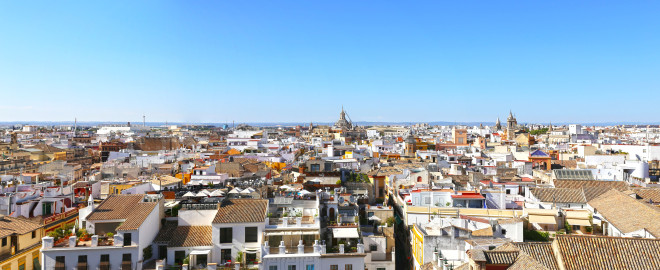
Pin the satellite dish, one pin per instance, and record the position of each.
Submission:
(341, 199)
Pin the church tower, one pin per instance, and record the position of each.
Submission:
(498, 125)
(511, 126)
(411, 145)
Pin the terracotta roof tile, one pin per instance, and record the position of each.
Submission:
(559, 195)
(191, 236)
(131, 208)
(626, 213)
(241, 211)
(618, 185)
(601, 252)
(539, 251)
(500, 257)
(166, 231)
(647, 194)
(526, 262)
(15, 226)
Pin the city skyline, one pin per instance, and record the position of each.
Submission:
(214, 62)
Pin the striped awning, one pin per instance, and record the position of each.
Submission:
(542, 219)
(578, 222)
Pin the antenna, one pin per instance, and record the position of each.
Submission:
(75, 126)
(144, 120)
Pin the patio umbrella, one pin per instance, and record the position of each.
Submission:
(285, 187)
(234, 191)
(217, 193)
(205, 192)
(251, 189)
(374, 218)
(188, 194)
(245, 191)
(303, 192)
(201, 194)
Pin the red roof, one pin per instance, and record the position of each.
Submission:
(468, 196)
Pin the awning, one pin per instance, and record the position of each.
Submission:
(251, 250)
(542, 219)
(276, 233)
(578, 222)
(200, 252)
(345, 233)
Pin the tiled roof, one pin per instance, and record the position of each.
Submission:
(500, 257)
(191, 236)
(559, 195)
(540, 251)
(591, 193)
(647, 194)
(131, 208)
(166, 231)
(241, 211)
(571, 164)
(10, 226)
(483, 232)
(525, 262)
(601, 252)
(625, 213)
(618, 185)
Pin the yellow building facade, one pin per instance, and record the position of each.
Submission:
(20, 244)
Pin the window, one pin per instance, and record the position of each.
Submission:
(419, 179)
(503, 231)
(272, 267)
(4, 241)
(291, 267)
(105, 257)
(126, 257)
(127, 239)
(373, 247)
(309, 267)
(334, 267)
(82, 259)
(60, 263)
(348, 267)
(225, 235)
(34, 234)
(508, 191)
(225, 255)
(251, 235)
(179, 255)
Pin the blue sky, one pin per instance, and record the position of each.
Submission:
(287, 61)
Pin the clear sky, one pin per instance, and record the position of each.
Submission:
(287, 61)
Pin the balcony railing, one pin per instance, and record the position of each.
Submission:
(291, 250)
(126, 265)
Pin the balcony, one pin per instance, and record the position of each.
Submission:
(291, 250)
(126, 265)
(305, 221)
(81, 266)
